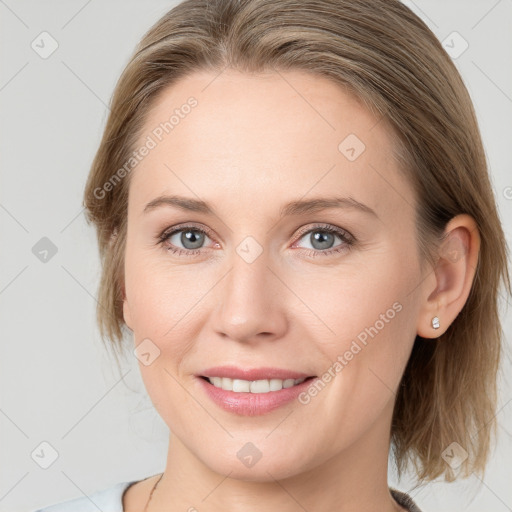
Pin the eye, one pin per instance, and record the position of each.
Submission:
(186, 240)
(189, 240)
(321, 240)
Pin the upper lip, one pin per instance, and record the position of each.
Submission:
(250, 374)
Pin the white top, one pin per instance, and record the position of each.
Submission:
(111, 500)
(106, 500)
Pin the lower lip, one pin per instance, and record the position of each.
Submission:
(253, 404)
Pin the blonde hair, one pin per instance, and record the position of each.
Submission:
(384, 54)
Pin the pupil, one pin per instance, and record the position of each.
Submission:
(323, 238)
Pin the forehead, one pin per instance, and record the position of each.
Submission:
(257, 133)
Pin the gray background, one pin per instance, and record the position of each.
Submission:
(58, 383)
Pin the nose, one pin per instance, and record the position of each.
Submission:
(251, 302)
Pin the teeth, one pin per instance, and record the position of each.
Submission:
(254, 386)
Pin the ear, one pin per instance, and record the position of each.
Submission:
(126, 312)
(448, 289)
(126, 307)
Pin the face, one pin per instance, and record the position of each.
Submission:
(254, 280)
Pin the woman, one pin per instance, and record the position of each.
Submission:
(297, 226)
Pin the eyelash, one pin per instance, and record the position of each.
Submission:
(347, 239)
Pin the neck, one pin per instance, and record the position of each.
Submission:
(353, 480)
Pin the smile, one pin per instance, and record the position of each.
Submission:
(254, 386)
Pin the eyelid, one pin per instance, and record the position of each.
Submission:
(343, 233)
(301, 232)
(182, 227)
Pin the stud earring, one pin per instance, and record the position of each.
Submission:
(435, 322)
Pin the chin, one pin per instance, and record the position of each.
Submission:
(266, 468)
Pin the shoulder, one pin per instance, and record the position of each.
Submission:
(107, 500)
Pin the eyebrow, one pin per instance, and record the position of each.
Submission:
(298, 207)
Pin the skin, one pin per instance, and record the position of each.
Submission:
(252, 144)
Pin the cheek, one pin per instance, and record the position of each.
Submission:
(367, 356)
(371, 318)
(165, 307)
(158, 295)
(359, 300)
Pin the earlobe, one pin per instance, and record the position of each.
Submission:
(126, 312)
(126, 308)
(454, 274)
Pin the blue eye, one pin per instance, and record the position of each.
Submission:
(320, 237)
(191, 237)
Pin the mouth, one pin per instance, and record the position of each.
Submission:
(254, 386)
(253, 391)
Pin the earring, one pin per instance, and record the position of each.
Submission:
(435, 322)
